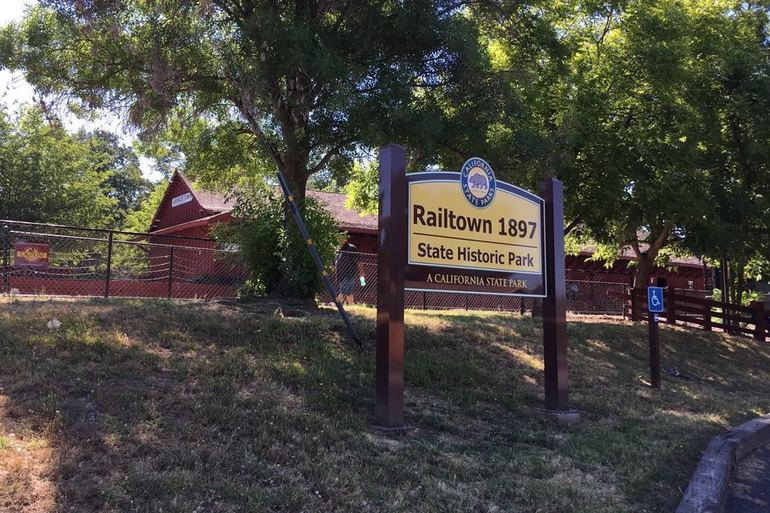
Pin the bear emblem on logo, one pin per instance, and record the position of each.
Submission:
(477, 182)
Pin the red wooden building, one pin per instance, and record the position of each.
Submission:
(189, 212)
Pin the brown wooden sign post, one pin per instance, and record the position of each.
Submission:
(391, 261)
(466, 232)
(555, 305)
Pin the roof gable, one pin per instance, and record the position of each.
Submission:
(182, 203)
(206, 203)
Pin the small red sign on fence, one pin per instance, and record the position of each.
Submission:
(31, 255)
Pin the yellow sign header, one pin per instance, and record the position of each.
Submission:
(447, 229)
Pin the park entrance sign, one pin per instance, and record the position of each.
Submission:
(466, 232)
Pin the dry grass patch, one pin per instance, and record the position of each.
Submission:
(151, 405)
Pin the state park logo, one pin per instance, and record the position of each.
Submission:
(32, 254)
(478, 182)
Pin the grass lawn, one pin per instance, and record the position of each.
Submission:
(156, 406)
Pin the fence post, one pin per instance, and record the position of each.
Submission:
(707, 315)
(424, 302)
(6, 257)
(671, 306)
(109, 266)
(465, 301)
(728, 317)
(170, 271)
(759, 320)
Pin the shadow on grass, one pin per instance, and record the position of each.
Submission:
(194, 407)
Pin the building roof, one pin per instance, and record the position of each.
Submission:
(203, 221)
(213, 201)
(347, 219)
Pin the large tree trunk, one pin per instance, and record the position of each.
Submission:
(740, 283)
(296, 175)
(646, 259)
(642, 272)
(298, 268)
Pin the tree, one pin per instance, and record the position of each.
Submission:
(735, 92)
(302, 81)
(140, 219)
(305, 79)
(637, 129)
(121, 165)
(362, 190)
(50, 176)
(509, 112)
(506, 111)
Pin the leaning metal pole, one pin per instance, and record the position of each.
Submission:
(317, 258)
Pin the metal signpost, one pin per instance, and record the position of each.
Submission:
(317, 258)
(466, 232)
(654, 307)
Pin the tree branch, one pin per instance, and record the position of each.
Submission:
(326, 158)
(659, 241)
(245, 107)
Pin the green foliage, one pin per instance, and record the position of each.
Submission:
(215, 153)
(299, 86)
(256, 230)
(652, 112)
(48, 175)
(747, 297)
(646, 110)
(125, 181)
(301, 277)
(302, 81)
(272, 246)
(140, 219)
(363, 188)
(131, 257)
(733, 99)
(507, 108)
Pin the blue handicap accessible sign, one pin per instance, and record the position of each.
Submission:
(655, 299)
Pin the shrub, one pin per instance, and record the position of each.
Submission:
(272, 246)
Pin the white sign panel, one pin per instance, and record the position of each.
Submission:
(181, 199)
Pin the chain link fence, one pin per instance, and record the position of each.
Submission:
(355, 276)
(44, 259)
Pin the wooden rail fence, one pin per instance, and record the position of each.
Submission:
(682, 308)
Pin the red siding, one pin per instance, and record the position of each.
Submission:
(190, 262)
(171, 216)
(580, 268)
(366, 243)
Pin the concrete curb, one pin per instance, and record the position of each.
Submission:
(707, 490)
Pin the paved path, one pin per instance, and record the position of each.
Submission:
(750, 488)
